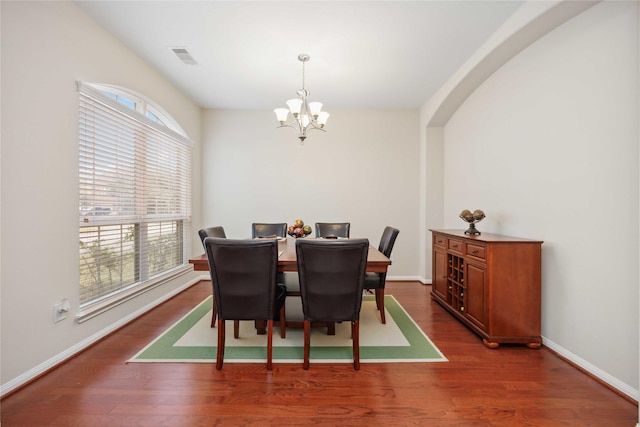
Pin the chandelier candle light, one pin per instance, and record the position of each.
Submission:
(306, 115)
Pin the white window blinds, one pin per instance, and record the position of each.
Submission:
(134, 196)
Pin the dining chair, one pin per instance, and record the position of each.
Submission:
(332, 229)
(244, 272)
(212, 232)
(263, 229)
(378, 281)
(331, 282)
(260, 229)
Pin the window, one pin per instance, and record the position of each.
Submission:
(135, 196)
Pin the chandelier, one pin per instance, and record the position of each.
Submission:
(306, 115)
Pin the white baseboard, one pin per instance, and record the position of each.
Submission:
(593, 370)
(82, 345)
(409, 279)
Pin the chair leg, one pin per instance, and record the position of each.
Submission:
(220, 355)
(236, 328)
(283, 322)
(307, 330)
(331, 328)
(380, 304)
(269, 344)
(355, 333)
(214, 313)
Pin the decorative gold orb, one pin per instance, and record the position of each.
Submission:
(478, 215)
(466, 215)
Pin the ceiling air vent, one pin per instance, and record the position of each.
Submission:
(184, 55)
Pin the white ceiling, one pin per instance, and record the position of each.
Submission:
(364, 54)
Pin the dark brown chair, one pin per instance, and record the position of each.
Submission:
(212, 232)
(331, 282)
(378, 281)
(270, 230)
(259, 229)
(244, 272)
(332, 229)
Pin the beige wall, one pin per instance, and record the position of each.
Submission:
(548, 148)
(46, 47)
(363, 170)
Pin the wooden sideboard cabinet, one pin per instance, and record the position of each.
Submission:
(491, 283)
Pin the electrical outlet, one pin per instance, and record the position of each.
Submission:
(60, 310)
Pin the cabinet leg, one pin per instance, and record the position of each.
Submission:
(491, 345)
(534, 345)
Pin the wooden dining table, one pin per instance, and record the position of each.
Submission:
(377, 262)
(287, 259)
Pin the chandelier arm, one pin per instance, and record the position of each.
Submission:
(316, 128)
(286, 125)
(296, 123)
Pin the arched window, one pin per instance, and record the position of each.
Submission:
(134, 196)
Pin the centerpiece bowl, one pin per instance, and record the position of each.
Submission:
(299, 229)
(472, 218)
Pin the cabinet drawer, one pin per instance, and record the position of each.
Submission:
(455, 245)
(476, 250)
(440, 241)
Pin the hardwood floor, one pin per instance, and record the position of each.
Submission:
(510, 386)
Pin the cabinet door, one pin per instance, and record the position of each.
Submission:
(475, 297)
(439, 278)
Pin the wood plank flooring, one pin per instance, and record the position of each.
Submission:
(510, 386)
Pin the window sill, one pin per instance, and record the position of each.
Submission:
(93, 310)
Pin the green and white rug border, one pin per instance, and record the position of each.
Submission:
(161, 349)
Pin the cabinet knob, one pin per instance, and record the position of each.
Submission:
(475, 251)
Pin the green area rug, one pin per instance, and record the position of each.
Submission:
(192, 339)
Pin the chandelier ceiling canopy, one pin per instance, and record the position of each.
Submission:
(305, 115)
